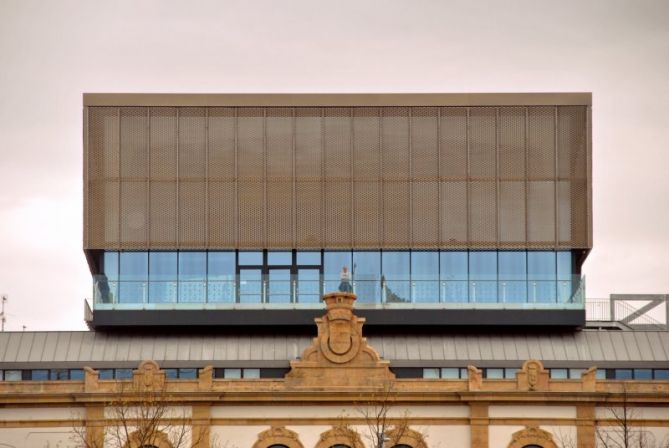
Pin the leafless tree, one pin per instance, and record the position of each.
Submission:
(138, 419)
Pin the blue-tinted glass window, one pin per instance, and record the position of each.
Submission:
(643, 374)
(232, 374)
(512, 267)
(192, 273)
(367, 276)
(134, 266)
(483, 276)
(396, 265)
(13, 375)
(106, 374)
(77, 374)
(110, 265)
(623, 374)
(123, 374)
(464, 373)
(279, 258)
(575, 374)
(494, 374)
(396, 275)
(279, 286)
(59, 374)
(40, 375)
(600, 374)
(187, 374)
(221, 266)
(308, 258)
(431, 373)
(333, 262)
(250, 258)
(425, 276)
(192, 265)
(661, 374)
(162, 266)
(450, 373)
(559, 374)
(251, 373)
(454, 265)
(564, 265)
(162, 277)
(171, 374)
(510, 373)
(541, 265)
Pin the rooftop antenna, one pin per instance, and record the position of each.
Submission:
(3, 319)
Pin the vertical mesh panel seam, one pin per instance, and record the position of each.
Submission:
(237, 209)
(177, 211)
(118, 116)
(410, 129)
(440, 236)
(381, 215)
(86, 184)
(497, 192)
(293, 203)
(264, 176)
(323, 180)
(206, 178)
(556, 177)
(588, 189)
(351, 149)
(527, 170)
(468, 182)
(147, 194)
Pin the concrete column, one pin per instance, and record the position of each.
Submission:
(95, 426)
(478, 422)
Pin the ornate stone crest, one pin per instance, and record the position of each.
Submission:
(339, 345)
(532, 376)
(148, 377)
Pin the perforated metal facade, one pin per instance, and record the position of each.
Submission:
(310, 171)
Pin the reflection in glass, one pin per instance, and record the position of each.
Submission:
(308, 286)
(367, 276)
(312, 258)
(279, 258)
(483, 276)
(333, 262)
(134, 266)
(454, 265)
(221, 266)
(396, 276)
(425, 276)
(162, 277)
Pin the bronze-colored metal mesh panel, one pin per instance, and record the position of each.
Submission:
(453, 142)
(251, 214)
(133, 135)
(222, 215)
(541, 142)
(279, 214)
(424, 146)
(338, 125)
(425, 214)
(482, 142)
(454, 216)
(192, 214)
(162, 143)
(541, 212)
(366, 157)
(192, 143)
(309, 214)
(511, 143)
(395, 138)
(163, 214)
(103, 141)
(369, 177)
(367, 214)
(309, 129)
(104, 222)
(250, 144)
(512, 213)
(279, 129)
(221, 134)
(133, 214)
(396, 214)
(482, 220)
(338, 214)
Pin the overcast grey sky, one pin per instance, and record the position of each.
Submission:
(51, 52)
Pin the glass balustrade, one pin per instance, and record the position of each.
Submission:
(280, 289)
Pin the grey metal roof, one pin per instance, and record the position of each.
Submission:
(604, 348)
